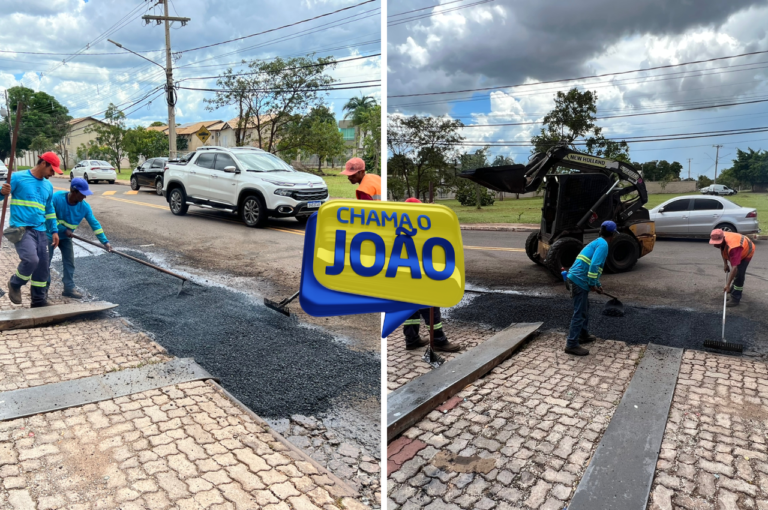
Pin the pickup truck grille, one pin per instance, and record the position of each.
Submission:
(309, 194)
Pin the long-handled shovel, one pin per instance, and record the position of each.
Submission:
(163, 270)
(430, 356)
(614, 307)
(723, 345)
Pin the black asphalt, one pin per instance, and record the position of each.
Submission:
(272, 364)
(640, 325)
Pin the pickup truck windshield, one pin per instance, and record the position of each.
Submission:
(263, 162)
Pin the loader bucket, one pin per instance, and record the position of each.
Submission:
(507, 178)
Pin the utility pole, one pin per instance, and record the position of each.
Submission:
(170, 91)
(717, 157)
(689, 167)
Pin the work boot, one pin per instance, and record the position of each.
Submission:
(447, 347)
(415, 344)
(577, 351)
(14, 293)
(586, 338)
(74, 294)
(731, 303)
(40, 304)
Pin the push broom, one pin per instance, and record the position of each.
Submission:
(723, 345)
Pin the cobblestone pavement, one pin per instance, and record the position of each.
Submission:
(82, 348)
(348, 460)
(9, 261)
(529, 427)
(404, 366)
(714, 454)
(183, 446)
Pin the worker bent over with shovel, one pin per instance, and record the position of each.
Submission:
(584, 276)
(32, 218)
(71, 209)
(738, 250)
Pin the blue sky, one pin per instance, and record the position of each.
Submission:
(507, 42)
(87, 84)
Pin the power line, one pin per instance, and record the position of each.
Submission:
(424, 8)
(435, 13)
(583, 77)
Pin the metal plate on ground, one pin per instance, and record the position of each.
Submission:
(33, 317)
(53, 397)
(414, 400)
(621, 471)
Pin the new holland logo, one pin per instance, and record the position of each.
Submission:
(586, 160)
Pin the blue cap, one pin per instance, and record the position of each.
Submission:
(609, 226)
(81, 185)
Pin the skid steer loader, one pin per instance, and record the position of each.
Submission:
(578, 198)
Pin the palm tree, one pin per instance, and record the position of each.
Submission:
(355, 108)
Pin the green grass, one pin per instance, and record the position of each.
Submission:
(528, 210)
(338, 185)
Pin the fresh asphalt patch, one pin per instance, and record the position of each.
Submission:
(274, 365)
(640, 325)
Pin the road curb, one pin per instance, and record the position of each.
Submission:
(501, 228)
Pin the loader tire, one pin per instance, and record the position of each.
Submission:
(623, 253)
(562, 254)
(532, 247)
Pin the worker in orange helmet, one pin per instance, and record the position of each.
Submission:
(411, 326)
(369, 184)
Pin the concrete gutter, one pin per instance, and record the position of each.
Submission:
(501, 227)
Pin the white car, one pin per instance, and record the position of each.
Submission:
(245, 180)
(3, 171)
(718, 189)
(692, 216)
(94, 170)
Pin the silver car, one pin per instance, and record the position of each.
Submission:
(691, 216)
(3, 171)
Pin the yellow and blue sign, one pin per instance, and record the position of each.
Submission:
(367, 257)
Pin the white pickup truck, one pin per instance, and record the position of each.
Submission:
(244, 180)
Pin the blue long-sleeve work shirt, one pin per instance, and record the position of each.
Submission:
(586, 271)
(32, 202)
(69, 216)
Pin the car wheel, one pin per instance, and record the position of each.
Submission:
(135, 184)
(253, 212)
(71, 177)
(623, 253)
(562, 254)
(532, 247)
(178, 202)
(85, 176)
(110, 182)
(726, 227)
(159, 187)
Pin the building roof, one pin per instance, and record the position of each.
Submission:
(193, 127)
(162, 129)
(81, 119)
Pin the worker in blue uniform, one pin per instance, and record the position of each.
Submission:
(71, 208)
(32, 220)
(583, 277)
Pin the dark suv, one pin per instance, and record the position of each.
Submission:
(150, 173)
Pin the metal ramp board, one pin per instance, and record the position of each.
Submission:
(79, 392)
(414, 400)
(33, 317)
(622, 469)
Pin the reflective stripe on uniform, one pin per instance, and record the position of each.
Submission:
(376, 197)
(68, 225)
(592, 275)
(25, 278)
(28, 203)
(584, 258)
(51, 216)
(738, 288)
(439, 325)
(411, 322)
(99, 231)
(38, 284)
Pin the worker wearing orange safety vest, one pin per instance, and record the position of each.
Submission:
(738, 250)
(369, 184)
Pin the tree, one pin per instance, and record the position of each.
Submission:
(91, 150)
(658, 170)
(142, 143)
(470, 193)
(110, 135)
(269, 97)
(317, 133)
(42, 116)
(157, 123)
(423, 150)
(572, 120)
(751, 167)
(356, 107)
(703, 181)
(41, 144)
(370, 125)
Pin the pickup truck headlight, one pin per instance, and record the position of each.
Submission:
(284, 192)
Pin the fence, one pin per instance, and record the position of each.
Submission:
(672, 188)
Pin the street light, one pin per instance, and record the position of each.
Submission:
(168, 99)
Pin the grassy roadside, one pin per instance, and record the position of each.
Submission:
(339, 186)
(528, 210)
